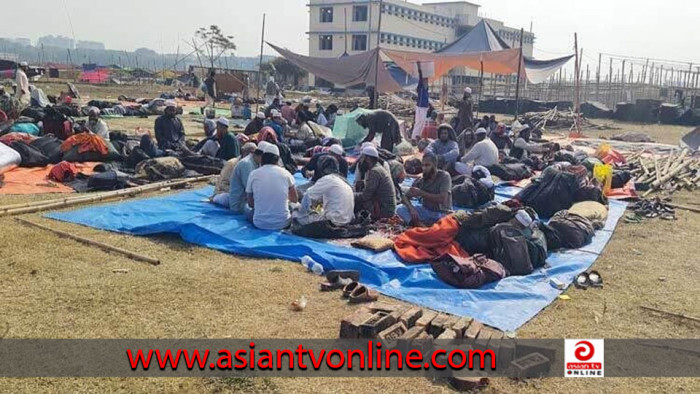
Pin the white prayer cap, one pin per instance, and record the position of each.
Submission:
(170, 104)
(337, 149)
(23, 64)
(271, 148)
(523, 218)
(480, 130)
(370, 151)
(468, 90)
(222, 121)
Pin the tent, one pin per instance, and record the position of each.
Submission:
(347, 130)
(484, 38)
(346, 70)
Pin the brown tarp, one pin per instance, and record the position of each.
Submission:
(496, 62)
(346, 70)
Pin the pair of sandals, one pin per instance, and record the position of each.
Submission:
(585, 280)
(348, 280)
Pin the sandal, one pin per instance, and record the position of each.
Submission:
(363, 294)
(594, 279)
(334, 275)
(349, 288)
(339, 283)
(582, 281)
(668, 216)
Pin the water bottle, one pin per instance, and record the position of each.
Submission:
(312, 265)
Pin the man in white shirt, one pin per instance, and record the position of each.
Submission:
(23, 93)
(96, 125)
(333, 192)
(522, 148)
(484, 152)
(270, 189)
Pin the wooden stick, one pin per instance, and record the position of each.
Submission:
(19, 209)
(683, 207)
(90, 242)
(656, 166)
(679, 315)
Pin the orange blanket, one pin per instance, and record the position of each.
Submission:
(22, 180)
(421, 245)
(87, 142)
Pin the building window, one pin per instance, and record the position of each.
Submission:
(359, 13)
(326, 14)
(359, 42)
(325, 42)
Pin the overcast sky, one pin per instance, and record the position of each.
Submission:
(656, 29)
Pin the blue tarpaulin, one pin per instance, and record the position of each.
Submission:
(506, 304)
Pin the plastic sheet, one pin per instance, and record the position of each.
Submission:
(506, 304)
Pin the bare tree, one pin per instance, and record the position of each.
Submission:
(212, 43)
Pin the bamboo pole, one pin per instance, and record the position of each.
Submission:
(678, 315)
(38, 206)
(87, 241)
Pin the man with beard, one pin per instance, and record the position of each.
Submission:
(445, 148)
(375, 193)
(434, 190)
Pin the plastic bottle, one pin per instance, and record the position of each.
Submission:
(312, 265)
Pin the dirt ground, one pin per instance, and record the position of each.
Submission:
(56, 288)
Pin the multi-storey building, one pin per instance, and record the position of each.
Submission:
(352, 26)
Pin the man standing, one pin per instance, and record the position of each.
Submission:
(95, 125)
(238, 199)
(210, 94)
(484, 152)
(375, 193)
(466, 111)
(22, 94)
(421, 106)
(381, 121)
(170, 133)
(272, 90)
(270, 190)
(435, 191)
(445, 148)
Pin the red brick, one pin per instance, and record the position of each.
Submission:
(461, 326)
(381, 306)
(473, 330)
(379, 322)
(350, 325)
(468, 384)
(427, 318)
(531, 366)
(411, 316)
(394, 332)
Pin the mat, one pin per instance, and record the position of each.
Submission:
(22, 180)
(506, 304)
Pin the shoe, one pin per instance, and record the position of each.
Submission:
(333, 276)
(363, 294)
(349, 288)
(339, 283)
(582, 281)
(594, 279)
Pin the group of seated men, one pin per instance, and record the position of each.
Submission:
(258, 179)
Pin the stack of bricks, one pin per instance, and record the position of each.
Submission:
(386, 321)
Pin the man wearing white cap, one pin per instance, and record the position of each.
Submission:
(23, 93)
(484, 152)
(255, 125)
(229, 145)
(270, 189)
(277, 123)
(376, 192)
(95, 125)
(466, 111)
(169, 130)
(335, 151)
(238, 198)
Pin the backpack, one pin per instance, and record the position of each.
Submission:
(325, 229)
(551, 237)
(511, 172)
(471, 194)
(108, 180)
(50, 146)
(57, 123)
(510, 248)
(31, 156)
(136, 156)
(537, 248)
(552, 192)
(204, 165)
(574, 230)
(468, 272)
